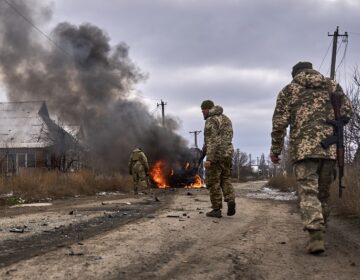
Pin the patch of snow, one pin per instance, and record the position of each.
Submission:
(31, 205)
(267, 193)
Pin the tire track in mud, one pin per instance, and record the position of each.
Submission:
(13, 251)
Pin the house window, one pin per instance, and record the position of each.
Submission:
(30, 162)
(21, 160)
(11, 163)
(16, 161)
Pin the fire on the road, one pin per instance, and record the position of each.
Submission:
(165, 176)
(157, 174)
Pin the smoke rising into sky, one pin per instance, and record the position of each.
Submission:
(84, 81)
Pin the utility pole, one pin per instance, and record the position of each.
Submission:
(196, 132)
(238, 164)
(162, 104)
(333, 57)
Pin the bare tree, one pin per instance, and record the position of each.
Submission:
(240, 164)
(352, 130)
(64, 149)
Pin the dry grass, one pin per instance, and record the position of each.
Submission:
(37, 185)
(350, 201)
(283, 183)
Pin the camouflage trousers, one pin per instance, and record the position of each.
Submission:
(218, 182)
(314, 177)
(139, 176)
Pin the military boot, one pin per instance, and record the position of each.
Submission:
(216, 213)
(231, 208)
(316, 243)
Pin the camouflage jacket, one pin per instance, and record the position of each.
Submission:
(138, 155)
(218, 134)
(305, 105)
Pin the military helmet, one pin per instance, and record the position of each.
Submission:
(207, 104)
(300, 66)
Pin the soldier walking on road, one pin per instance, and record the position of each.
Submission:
(219, 151)
(138, 168)
(305, 105)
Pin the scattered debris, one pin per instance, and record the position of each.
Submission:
(189, 193)
(71, 212)
(11, 270)
(151, 217)
(94, 258)
(72, 253)
(156, 199)
(200, 200)
(173, 216)
(17, 229)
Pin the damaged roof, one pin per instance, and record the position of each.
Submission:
(27, 125)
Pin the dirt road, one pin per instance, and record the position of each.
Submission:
(121, 237)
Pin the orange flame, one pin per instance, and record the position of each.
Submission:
(197, 183)
(157, 174)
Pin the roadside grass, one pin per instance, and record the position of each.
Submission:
(349, 203)
(284, 183)
(39, 185)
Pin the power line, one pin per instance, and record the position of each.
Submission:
(16, 10)
(325, 55)
(35, 27)
(195, 132)
(343, 57)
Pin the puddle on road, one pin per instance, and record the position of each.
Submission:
(267, 193)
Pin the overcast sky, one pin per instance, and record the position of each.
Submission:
(239, 53)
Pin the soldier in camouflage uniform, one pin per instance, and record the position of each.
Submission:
(219, 151)
(305, 105)
(138, 168)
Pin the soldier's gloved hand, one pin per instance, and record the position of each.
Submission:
(275, 158)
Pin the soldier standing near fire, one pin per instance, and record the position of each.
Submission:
(218, 134)
(138, 168)
(305, 105)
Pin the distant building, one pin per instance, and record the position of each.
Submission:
(30, 139)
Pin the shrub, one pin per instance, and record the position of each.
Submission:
(349, 203)
(40, 184)
(284, 183)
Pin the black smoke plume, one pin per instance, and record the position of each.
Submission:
(84, 81)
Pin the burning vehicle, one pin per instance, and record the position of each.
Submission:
(184, 173)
